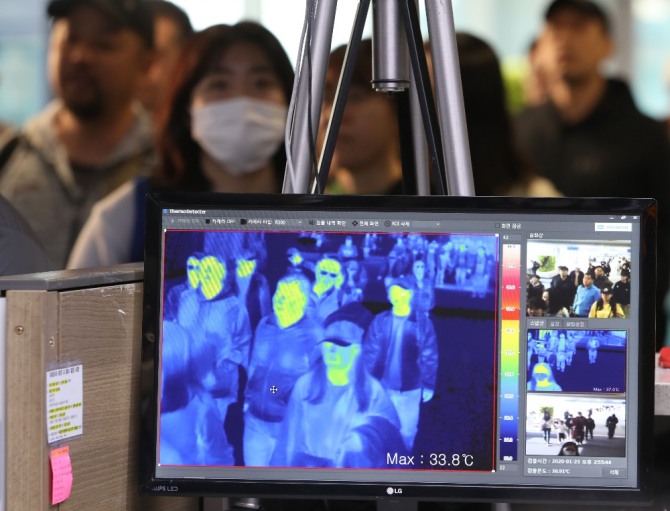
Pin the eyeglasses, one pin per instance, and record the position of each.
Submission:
(328, 273)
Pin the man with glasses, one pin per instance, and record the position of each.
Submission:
(326, 296)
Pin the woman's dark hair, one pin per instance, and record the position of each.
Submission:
(361, 75)
(600, 303)
(178, 154)
(362, 72)
(569, 445)
(166, 9)
(497, 161)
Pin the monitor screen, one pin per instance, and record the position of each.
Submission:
(420, 348)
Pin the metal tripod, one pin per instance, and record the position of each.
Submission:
(433, 140)
(397, 42)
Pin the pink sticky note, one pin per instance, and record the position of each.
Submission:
(61, 471)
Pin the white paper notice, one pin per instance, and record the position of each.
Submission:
(65, 403)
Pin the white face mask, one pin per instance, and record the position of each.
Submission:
(241, 134)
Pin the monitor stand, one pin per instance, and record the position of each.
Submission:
(397, 504)
(400, 504)
(383, 504)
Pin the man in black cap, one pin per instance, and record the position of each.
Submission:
(621, 290)
(562, 291)
(589, 138)
(92, 137)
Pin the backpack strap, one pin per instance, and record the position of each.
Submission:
(137, 242)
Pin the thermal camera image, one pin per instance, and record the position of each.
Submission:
(576, 360)
(332, 350)
(576, 425)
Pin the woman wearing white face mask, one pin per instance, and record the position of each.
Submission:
(220, 129)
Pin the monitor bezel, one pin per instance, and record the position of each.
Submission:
(151, 484)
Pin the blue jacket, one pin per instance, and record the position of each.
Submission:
(584, 299)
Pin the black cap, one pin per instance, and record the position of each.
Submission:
(133, 14)
(402, 281)
(354, 313)
(584, 7)
(564, 268)
(606, 290)
(625, 273)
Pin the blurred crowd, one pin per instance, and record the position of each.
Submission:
(143, 102)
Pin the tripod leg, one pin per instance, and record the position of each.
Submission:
(341, 94)
(424, 93)
(419, 140)
(449, 93)
(409, 183)
(308, 113)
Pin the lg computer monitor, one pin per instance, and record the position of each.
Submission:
(411, 348)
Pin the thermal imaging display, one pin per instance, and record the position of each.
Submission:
(426, 347)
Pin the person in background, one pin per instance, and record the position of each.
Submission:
(621, 290)
(367, 150)
(498, 165)
(423, 289)
(535, 307)
(576, 276)
(590, 139)
(587, 294)
(562, 290)
(545, 426)
(284, 349)
(606, 306)
(218, 325)
(600, 278)
(180, 405)
(326, 295)
(610, 424)
(252, 286)
(592, 346)
(221, 129)
(542, 379)
(332, 402)
(534, 288)
(537, 79)
(401, 351)
(561, 431)
(20, 252)
(172, 27)
(94, 136)
(569, 449)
